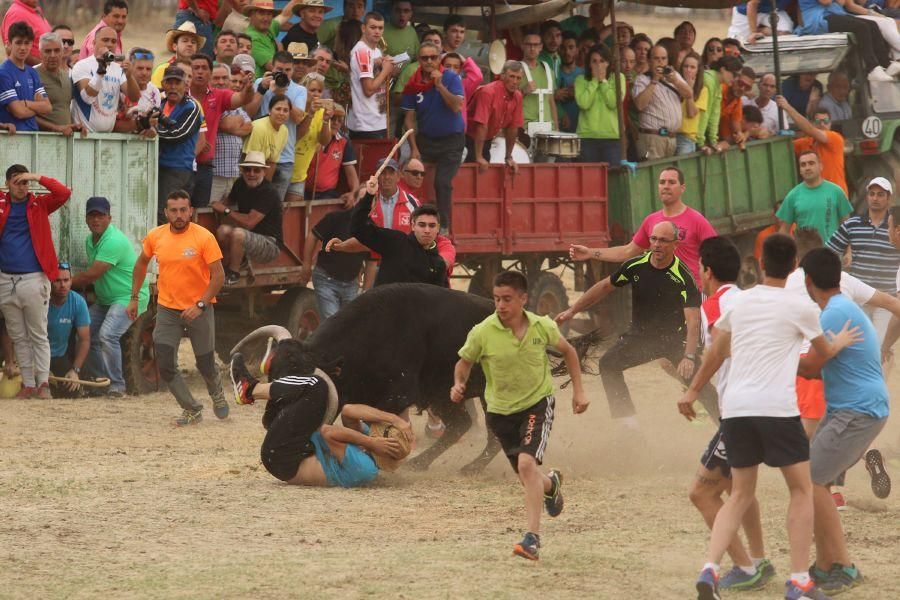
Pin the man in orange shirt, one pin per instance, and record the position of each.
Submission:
(828, 144)
(190, 276)
(730, 130)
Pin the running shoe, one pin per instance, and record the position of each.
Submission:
(553, 501)
(767, 570)
(189, 417)
(739, 579)
(839, 502)
(231, 277)
(241, 379)
(817, 574)
(795, 591)
(708, 585)
(27, 391)
(220, 404)
(881, 481)
(529, 547)
(840, 579)
(43, 392)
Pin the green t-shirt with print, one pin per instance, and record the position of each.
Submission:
(114, 286)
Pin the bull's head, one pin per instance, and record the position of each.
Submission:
(286, 356)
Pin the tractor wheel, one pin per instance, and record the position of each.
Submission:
(547, 295)
(139, 356)
(303, 315)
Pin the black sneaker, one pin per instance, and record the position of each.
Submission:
(231, 277)
(529, 547)
(241, 380)
(189, 417)
(881, 481)
(553, 501)
(840, 579)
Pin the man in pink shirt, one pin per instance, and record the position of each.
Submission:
(115, 15)
(493, 108)
(29, 12)
(692, 225)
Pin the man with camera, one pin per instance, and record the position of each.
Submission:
(657, 95)
(98, 80)
(280, 81)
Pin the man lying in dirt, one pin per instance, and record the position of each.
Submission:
(298, 449)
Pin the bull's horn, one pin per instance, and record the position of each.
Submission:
(268, 331)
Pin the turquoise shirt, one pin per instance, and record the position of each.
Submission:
(357, 468)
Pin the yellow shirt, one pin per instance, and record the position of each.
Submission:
(305, 149)
(157, 77)
(689, 125)
(265, 139)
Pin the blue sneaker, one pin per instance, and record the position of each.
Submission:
(708, 585)
(553, 501)
(817, 574)
(794, 591)
(840, 579)
(738, 579)
(529, 547)
(767, 570)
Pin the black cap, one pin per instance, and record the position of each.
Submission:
(174, 73)
(97, 204)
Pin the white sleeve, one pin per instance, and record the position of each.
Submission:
(806, 318)
(855, 289)
(81, 71)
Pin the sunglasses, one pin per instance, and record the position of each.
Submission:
(142, 56)
(416, 173)
(64, 266)
(68, 42)
(429, 57)
(824, 121)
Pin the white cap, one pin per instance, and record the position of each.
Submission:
(882, 183)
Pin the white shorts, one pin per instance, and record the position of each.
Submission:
(740, 27)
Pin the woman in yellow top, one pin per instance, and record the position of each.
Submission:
(691, 108)
(314, 129)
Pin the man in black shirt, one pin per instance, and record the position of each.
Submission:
(336, 274)
(255, 231)
(312, 14)
(405, 257)
(665, 317)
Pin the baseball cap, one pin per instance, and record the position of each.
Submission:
(97, 204)
(174, 73)
(882, 183)
(245, 62)
(391, 164)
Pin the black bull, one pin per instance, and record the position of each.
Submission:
(393, 348)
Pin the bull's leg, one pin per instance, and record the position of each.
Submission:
(491, 448)
(458, 423)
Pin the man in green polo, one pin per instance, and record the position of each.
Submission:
(511, 347)
(112, 257)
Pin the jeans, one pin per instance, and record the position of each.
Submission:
(108, 324)
(282, 178)
(446, 154)
(684, 145)
(332, 294)
(203, 179)
(204, 29)
(631, 350)
(24, 302)
(596, 150)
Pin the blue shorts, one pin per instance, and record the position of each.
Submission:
(357, 468)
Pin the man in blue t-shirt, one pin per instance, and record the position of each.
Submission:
(857, 409)
(566, 107)
(22, 94)
(67, 313)
(433, 100)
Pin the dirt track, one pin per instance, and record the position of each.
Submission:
(105, 498)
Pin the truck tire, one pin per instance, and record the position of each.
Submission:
(547, 296)
(303, 315)
(139, 356)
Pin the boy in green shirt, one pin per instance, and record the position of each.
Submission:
(511, 347)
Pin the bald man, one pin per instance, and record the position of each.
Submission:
(665, 317)
(413, 176)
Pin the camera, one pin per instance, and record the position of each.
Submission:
(667, 70)
(106, 59)
(143, 121)
(281, 79)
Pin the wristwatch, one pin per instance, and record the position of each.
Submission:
(201, 304)
(227, 211)
(692, 357)
(76, 369)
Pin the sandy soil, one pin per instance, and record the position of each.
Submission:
(106, 498)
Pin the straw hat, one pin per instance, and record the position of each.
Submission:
(186, 28)
(310, 4)
(260, 5)
(389, 431)
(254, 158)
(300, 52)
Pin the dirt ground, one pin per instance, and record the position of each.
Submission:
(105, 498)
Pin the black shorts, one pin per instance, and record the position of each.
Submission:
(715, 456)
(775, 441)
(287, 440)
(525, 432)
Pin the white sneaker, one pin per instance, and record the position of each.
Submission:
(893, 69)
(879, 74)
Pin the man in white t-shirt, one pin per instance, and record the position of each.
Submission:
(98, 83)
(368, 114)
(720, 264)
(763, 332)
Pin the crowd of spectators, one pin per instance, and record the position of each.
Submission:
(258, 103)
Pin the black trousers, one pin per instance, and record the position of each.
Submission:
(445, 153)
(873, 49)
